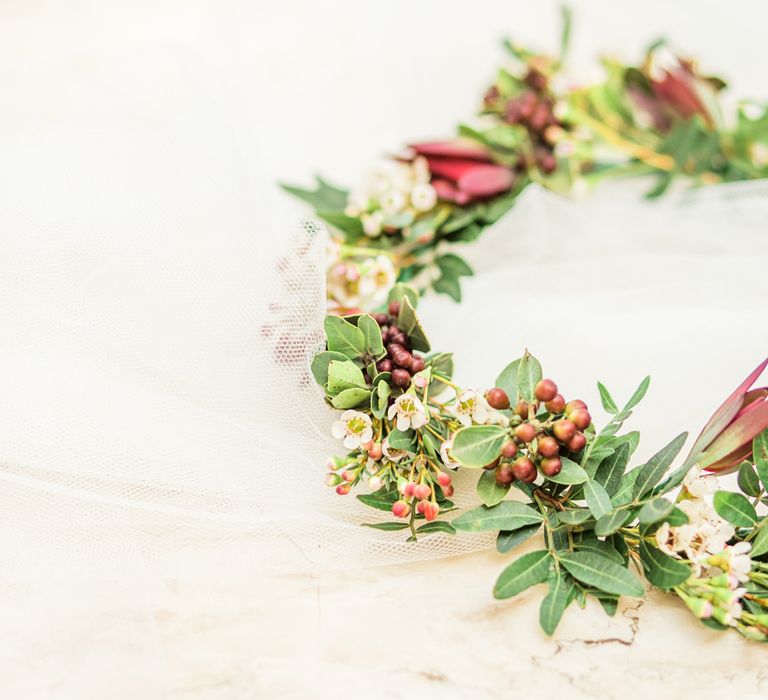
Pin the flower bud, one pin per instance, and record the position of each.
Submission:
(443, 479)
(564, 430)
(421, 491)
(556, 405)
(343, 489)
(332, 479)
(580, 418)
(699, 607)
(420, 507)
(400, 509)
(509, 450)
(408, 489)
(348, 475)
(525, 432)
(431, 510)
(545, 390)
(374, 451)
(448, 490)
(548, 447)
(375, 483)
(497, 398)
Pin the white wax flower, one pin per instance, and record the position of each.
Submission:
(355, 427)
(470, 407)
(409, 412)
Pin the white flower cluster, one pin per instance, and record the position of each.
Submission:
(358, 283)
(395, 189)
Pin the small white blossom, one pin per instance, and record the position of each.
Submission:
(699, 485)
(392, 202)
(392, 454)
(372, 223)
(409, 412)
(355, 427)
(470, 407)
(445, 453)
(423, 197)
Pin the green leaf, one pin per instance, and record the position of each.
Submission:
(507, 379)
(478, 445)
(402, 440)
(624, 494)
(609, 604)
(436, 526)
(381, 499)
(606, 399)
(489, 491)
(400, 290)
(735, 508)
(749, 482)
(598, 500)
(655, 510)
(410, 325)
(528, 570)
(454, 266)
(387, 527)
(380, 399)
(344, 374)
(611, 470)
(600, 572)
(555, 602)
(344, 337)
(507, 539)
(760, 543)
(325, 197)
(611, 522)
(320, 364)
(571, 473)
(574, 516)
(372, 334)
(507, 515)
(350, 226)
(351, 398)
(652, 472)
(528, 375)
(661, 570)
(760, 456)
(448, 285)
(603, 548)
(639, 394)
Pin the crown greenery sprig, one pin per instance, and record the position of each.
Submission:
(544, 468)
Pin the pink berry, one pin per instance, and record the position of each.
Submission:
(443, 479)
(422, 491)
(400, 509)
(431, 510)
(408, 489)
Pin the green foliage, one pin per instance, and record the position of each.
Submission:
(528, 570)
(478, 445)
(507, 515)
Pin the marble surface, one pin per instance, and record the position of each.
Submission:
(432, 629)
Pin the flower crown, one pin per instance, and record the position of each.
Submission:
(543, 465)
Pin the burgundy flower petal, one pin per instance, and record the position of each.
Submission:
(486, 180)
(448, 193)
(452, 149)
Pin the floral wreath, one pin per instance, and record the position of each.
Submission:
(407, 426)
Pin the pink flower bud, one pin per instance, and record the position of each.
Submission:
(443, 479)
(332, 479)
(420, 506)
(348, 475)
(422, 491)
(431, 510)
(408, 489)
(400, 509)
(375, 483)
(343, 489)
(374, 451)
(448, 490)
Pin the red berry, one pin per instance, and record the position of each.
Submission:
(524, 470)
(400, 338)
(504, 475)
(577, 442)
(509, 450)
(443, 479)
(551, 466)
(422, 491)
(545, 390)
(522, 409)
(401, 377)
(384, 365)
(400, 509)
(417, 364)
(571, 406)
(564, 430)
(394, 308)
(548, 447)
(525, 432)
(381, 319)
(580, 418)
(497, 398)
(343, 489)
(402, 359)
(493, 464)
(556, 405)
(431, 510)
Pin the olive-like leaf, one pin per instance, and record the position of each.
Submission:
(528, 570)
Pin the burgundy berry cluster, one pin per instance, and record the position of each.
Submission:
(539, 438)
(401, 360)
(533, 109)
